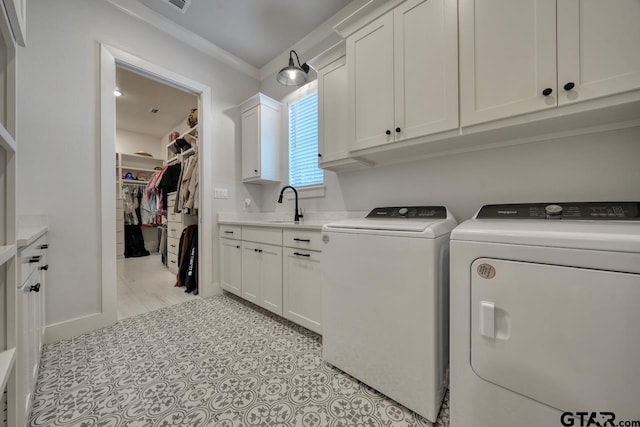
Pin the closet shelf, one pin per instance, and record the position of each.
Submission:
(7, 360)
(133, 168)
(6, 253)
(140, 157)
(134, 181)
(6, 140)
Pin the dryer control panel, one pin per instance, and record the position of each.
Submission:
(409, 212)
(601, 211)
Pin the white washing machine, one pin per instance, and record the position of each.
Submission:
(545, 315)
(385, 302)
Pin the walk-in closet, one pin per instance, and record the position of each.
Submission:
(157, 193)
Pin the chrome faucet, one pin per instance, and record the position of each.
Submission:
(298, 215)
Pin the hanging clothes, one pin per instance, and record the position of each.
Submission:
(188, 260)
(169, 182)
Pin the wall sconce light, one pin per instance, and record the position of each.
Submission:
(292, 75)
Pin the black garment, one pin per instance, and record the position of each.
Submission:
(188, 262)
(169, 181)
(134, 242)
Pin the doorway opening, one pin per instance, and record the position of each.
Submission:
(156, 193)
(135, 165)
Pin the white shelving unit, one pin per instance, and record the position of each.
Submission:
(141, 167)
(8, 225)
(192, 138)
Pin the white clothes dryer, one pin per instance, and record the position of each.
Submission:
(385, 302)
(545, 315)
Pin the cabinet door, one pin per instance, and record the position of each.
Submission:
(333, 122)
(302, 288)
(370, 84)
(250, 273)
(271, 277)
(251, 143)
(507, 58)
(598, 48)
(426, 67)
(231, 266)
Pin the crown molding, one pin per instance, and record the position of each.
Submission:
(143, 13)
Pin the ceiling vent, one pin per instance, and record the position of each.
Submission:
(181, 5)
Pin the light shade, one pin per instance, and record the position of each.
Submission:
(292, 75)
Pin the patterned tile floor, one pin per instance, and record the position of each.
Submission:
(207, 362)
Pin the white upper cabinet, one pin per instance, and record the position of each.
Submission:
(403, 74)
(523, 56)
(598, 48)
(260, 123)
(17, 14)
(507, 58)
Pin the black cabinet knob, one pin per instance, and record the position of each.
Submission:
(35, 288)
(548, 91)
(319, 155)
(255, 170)
(398, 130)
(569, 86)
(45, 267)
(237, 246)
(388, 132)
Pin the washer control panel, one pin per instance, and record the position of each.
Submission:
(409, 212)
(611, 211)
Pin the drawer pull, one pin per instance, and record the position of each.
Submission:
(34, 259)
(173, 246)
(299, 254)
(258, 250)
(45, 267)
(237, 246)
(35, 288)
(302, 240)
(173, 261)
(228, 232)
(173, 229)
(44, 246)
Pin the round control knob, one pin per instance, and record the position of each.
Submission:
(553, 210)
(403, 211)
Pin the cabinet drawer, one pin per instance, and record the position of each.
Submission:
(174, 229)
(120, 224)
(173, 245)
(310, 240)
(173, 216)
(119, 204)
(30, 258)
(120, 249)
(231, 231)
(271, 236)
(119, 236)
(172, 261)
(171, 199)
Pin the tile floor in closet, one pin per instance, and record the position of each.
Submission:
(144, 284)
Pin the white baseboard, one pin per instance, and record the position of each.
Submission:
(75, 327)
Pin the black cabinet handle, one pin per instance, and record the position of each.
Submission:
(302, 240)
(388, 132)
(34, 259)
(44, 246)
(45, 267)
(260, 250)
(255, 170)
(319, 155)
(228, 232)
(398, 130)
(237, 246)
(35, 288)
(299, 254)
(569, 86)
(548, 91)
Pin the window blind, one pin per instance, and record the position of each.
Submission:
(303, 142)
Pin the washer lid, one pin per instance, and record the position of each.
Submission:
(621, 234)
(434, 223)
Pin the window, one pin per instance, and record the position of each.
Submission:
(303, 142)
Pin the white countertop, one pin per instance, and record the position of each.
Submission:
(28, 235)
(310, 221)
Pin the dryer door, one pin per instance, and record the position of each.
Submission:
(566, 337)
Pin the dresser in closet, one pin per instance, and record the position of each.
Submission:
(176, 222)
(120, 228)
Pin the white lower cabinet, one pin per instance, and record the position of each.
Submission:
(31, 322)
(302, 288)
(275, 269)
(262, 275)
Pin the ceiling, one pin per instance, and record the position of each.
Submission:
(141, 94)
(254, 31)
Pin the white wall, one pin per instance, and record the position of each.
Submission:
(59, 125)
(129, 142)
